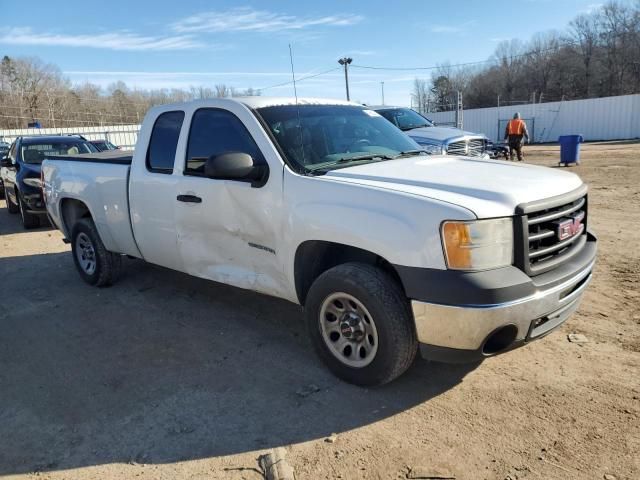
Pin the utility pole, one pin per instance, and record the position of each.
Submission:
(459, 110)
(382, 85)
(498, 138)
(345, 62)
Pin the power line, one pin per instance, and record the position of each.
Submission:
(466, 64)
(299, 79)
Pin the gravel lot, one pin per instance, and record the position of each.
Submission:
(168, 376)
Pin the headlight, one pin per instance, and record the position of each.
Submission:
(431, 149)
(33, 182)
(479, 244)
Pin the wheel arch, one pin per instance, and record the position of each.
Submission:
(71, 209)
(314, 257)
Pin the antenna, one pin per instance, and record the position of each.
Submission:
(295, 92)
(293, 75)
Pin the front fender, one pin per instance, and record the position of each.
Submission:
(374, 229)
(402, 228)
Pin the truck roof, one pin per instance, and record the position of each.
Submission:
(384, 107)
(261, 102)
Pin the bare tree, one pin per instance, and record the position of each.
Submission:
(509, 57)
(584, 33)
(223, 90)
(420, 94)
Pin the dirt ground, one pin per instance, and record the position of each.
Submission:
(165, 376)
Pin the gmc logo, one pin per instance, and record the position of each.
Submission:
(570, 227)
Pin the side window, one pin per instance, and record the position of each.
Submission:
(164, 141)
(214, 132)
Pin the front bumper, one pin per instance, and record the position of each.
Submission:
(34, 203)
(466, 332)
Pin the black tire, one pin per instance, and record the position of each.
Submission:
(1, 191)
(107, 264)
(385, 301)
(11, 207)
(29, 220)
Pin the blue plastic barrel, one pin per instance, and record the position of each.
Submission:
(570, 149)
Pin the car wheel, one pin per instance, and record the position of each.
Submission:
(29, 220)
(361, 324)
(96, 265)
(11, 207)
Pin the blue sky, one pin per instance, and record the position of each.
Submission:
(165, 44)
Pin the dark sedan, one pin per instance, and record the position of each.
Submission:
(20, 172)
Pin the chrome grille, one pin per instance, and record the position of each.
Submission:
(476, 147)
(554, 234)
(473, 147)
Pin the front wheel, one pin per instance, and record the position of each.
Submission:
(96, 265)
(29, 220)
(361, 324)
(11, 207)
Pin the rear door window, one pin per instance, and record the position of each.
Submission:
(161, 154)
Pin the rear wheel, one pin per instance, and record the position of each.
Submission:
(360, 324)
(29, 220)
(96, 265)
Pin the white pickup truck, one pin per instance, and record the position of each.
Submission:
(328, 205)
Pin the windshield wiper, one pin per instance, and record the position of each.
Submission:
(356, 160)
(406, 129)
(410, 153)
(372, 156)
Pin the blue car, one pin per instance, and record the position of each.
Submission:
(20, 172)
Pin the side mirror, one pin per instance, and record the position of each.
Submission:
(5, 162)
(236, 166)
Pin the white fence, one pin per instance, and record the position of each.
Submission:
(608, 118)
(124, 136)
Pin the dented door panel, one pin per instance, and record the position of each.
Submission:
(230, 237)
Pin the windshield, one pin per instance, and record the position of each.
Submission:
(36, 152)
(318, 136)
(405, 118)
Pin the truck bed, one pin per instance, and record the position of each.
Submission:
(101, 182)
(118, 157)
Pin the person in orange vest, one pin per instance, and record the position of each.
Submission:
(516, 132)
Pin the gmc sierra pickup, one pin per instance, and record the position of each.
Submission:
(327, 204)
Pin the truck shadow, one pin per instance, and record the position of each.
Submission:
(163, 367)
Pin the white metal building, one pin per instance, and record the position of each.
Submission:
(608, 118)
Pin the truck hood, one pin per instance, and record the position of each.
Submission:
(488, 188)
(439, 134)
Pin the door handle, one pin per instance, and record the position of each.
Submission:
(189, 199)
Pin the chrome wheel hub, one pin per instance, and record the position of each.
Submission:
(348, 330)
(85, 253)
